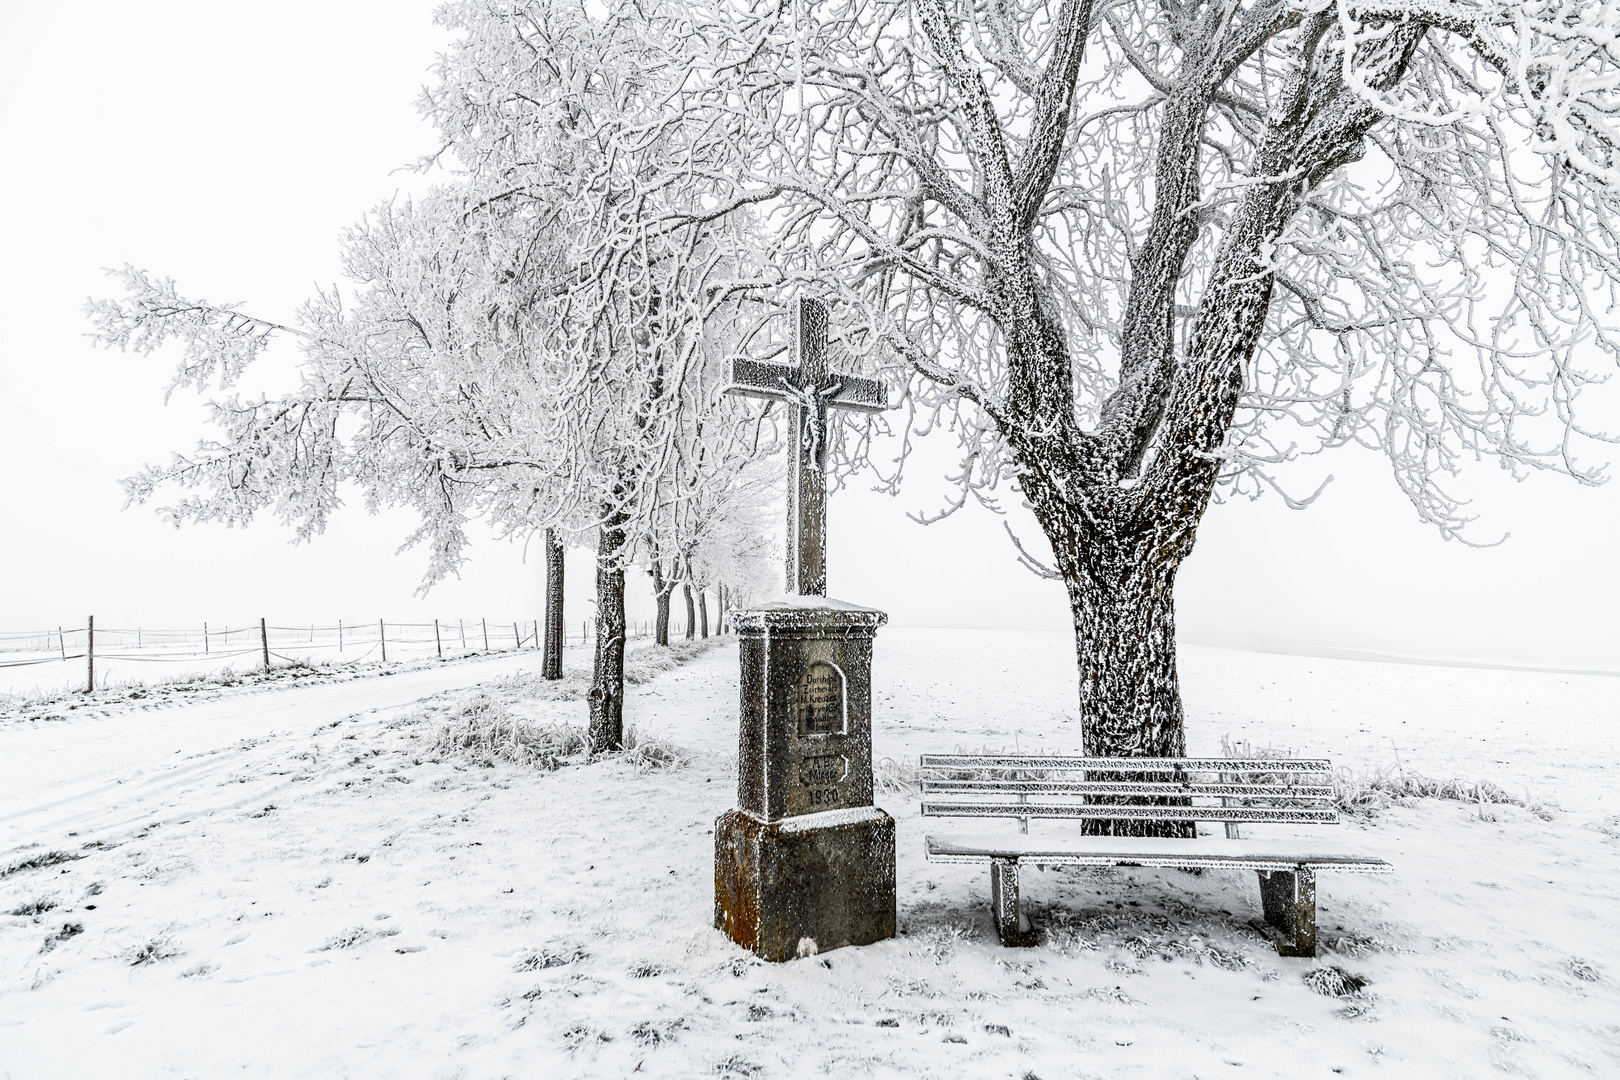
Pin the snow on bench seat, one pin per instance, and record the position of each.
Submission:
(1205, 852)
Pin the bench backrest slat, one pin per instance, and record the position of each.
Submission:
(1291, 792)
(1275, 790)
(1026, 763)
(1255, 814)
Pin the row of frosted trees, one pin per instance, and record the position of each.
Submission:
(540, 341)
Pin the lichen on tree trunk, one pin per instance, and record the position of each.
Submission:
(703, 615)
(691, 613)
(607, 677)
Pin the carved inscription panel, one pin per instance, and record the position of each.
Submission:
(819, 700)
(821, 780)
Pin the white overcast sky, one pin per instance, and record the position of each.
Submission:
(227, 145)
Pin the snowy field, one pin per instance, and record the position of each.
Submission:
(282, 882)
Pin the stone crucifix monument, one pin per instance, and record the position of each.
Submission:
(805, 863)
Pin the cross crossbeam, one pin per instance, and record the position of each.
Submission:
(809, 390)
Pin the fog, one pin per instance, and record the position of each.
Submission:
(227, 148)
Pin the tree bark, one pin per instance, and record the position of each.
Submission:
(661, 591)
(691, 615)
(551, 658)
(703, 614)
(607, 676)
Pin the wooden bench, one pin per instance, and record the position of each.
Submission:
(1187, 790)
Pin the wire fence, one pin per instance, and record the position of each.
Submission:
(264, 644)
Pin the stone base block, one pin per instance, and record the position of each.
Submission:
(804, 884)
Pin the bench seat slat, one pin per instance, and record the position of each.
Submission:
(1026, 762)
(1132, 813)
(1149, 787)
(1150, 851)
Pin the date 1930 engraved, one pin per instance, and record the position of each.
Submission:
(821, 778)
(820, 700)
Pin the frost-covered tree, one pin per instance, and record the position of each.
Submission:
(529, 343)
(1134, 251)
(710, 525)
(568, 121)
(409, 389)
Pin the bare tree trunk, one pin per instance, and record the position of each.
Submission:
(703, 614)
(661, 591)
(607, 676)
(551, 658)
(691, 615)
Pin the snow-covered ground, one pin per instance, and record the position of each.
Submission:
(283, 883)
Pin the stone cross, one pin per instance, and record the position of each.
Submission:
(809, 390)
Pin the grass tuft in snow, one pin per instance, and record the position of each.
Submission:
(347, 939)
(158, 948)
(1582, 970)
(648, 753)
(1358, 944)
(69, 930)
(34, 907)
(582, 1035)
(483, 732)
(896, 778)
(38, 862)
(736, 1066)
(1609, 826)
(542, 959)
(1331, 980)
(1367, 795)
(650, 1034)
(1364, 795)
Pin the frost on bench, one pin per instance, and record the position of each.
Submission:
(1025, 788)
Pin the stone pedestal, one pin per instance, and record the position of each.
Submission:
(806, 862)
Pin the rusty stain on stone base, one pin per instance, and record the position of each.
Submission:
(826, 877)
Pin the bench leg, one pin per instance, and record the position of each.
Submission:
(1289, 900)
(1011, 926)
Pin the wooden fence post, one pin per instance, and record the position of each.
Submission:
(62, 642)
(340, 635)
(205, 639)
(485, 624)
(264, 639)
(382, 636)
(90, 655)
(437, 643)
(517, 637)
